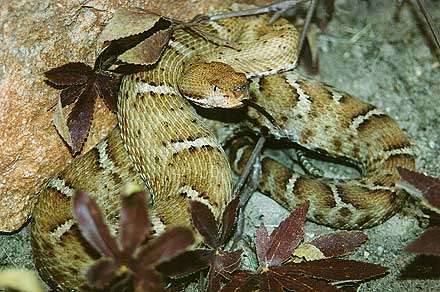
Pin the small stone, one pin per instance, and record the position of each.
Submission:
(418, 71)
(380, 250)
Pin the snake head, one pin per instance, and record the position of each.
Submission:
(213, 85)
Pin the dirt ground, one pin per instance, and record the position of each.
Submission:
(380, 53)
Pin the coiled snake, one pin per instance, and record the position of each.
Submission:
(163, 143)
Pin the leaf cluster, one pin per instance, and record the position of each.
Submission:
(213, 256)
(277, 271)
(81, 84)
(284, 263)
(130, 255)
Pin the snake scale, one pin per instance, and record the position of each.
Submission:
(163, 143)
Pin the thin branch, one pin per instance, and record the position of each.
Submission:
(250, 187)
(279, 6)
(249, 165)
(434, 28)
(306, 25)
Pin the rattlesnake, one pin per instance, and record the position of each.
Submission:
(163, 143)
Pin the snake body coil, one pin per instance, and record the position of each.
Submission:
(162, 142)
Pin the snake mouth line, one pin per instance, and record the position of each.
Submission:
(219, 102)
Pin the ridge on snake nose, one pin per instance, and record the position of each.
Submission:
(214, 84)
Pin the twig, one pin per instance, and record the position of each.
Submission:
(249, 165)
(250, 188)
(434, 28)
(275, 7)
(306, 25)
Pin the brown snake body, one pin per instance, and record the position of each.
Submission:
(162, 142)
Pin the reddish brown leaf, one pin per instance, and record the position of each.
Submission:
(107, 86)
(134, 221)
(286, 237)
(204, 221)
(350, 288)
(69, 74)
(302, 284)
(215, 283)
(228, 219)
(81, 116)
(164, 247)
(427, 185)
(148, 281)
(433, 196)
(187, 263)
(262, 242)
(428, 243)
(422, 267)
(71, 93)
(335, 270)
(227, 261)
(148, 51)
(269, 283)
(92, 225)
(243, 281)
(339, 243)
(101, 273)
(420, 181)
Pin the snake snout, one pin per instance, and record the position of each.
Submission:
(214, 85)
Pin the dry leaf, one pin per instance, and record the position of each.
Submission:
(127, 22)
(60, 123)
(307, 252)
(148, 51)
(20, 280)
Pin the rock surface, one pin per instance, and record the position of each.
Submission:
(37, 36)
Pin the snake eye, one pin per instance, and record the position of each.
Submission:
(242, 88)
(215, 88)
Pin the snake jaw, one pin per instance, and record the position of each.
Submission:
(214, 85)
(228, 100)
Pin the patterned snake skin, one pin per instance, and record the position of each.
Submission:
(161, 142)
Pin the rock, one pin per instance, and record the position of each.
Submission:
(37, 36)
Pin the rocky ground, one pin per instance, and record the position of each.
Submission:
(380, 53)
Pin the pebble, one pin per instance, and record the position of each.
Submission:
(380, 250)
